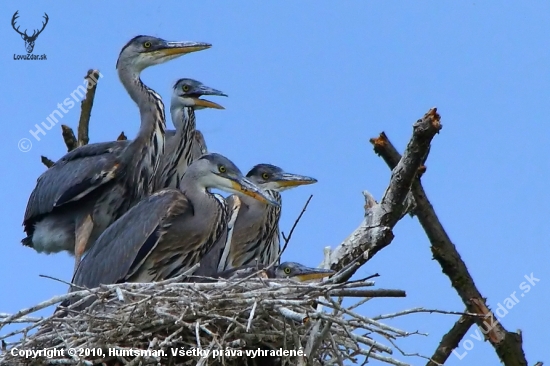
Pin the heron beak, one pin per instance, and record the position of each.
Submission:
(245, 186)
(203, 103)
(287, 180)
(308, 273)
(181, 48)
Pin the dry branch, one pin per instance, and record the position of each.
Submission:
(375, 232)
(451, 340)
(86, 107)
(508, 345)
(71, 142)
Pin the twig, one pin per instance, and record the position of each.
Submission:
(422, 310)
(287, 239)
(368, 293)
(251, 316)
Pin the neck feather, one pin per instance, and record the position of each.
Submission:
(145, 150)
(177, 156)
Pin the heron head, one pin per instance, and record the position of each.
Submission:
(219, 172)
(144, 51)
(187, 93)
(271, 177)
(300, 272)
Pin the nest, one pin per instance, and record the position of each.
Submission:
(218, 323)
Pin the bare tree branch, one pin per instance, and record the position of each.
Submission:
(86, 107)
(508, 345)
(367, 293)
(84, 122)
(375, 232)
(451, 340)
(69, 137)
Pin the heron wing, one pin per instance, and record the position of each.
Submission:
(189, 241)
(72, 179)
(94, 150)
(127, 243)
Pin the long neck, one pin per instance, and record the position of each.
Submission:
(177, 156)
(209, 211)
(143, 153)
(256, 233)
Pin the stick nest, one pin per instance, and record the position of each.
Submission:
(235, 315)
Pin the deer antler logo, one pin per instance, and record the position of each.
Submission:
(29, 40)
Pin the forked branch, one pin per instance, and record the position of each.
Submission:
(508, 345)
(375, 232)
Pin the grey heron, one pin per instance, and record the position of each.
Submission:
(76, 200)
(255, 234)
(168, 232)
(291, 270)
(181, 150)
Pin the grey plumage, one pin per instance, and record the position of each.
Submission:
(199, 148)
(183, 145)
(255, 235)
(167, 233)
(82, 194)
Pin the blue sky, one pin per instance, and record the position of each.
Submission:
(309, 83)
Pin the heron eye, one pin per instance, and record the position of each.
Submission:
(266, 177)
(185, 88)
(222, 169)
(147, 44)
(287, 270)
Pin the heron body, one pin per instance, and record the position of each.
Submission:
(168, 232)
(255, 235)
(79, 197)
